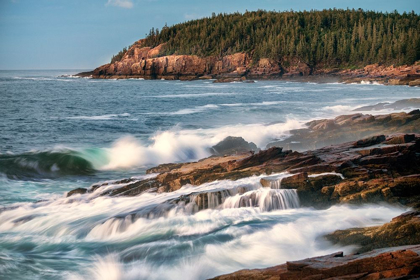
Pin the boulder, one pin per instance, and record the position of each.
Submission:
(77, 191)
(295, 182)
(233, 145)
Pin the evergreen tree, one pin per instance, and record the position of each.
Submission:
(330, 37)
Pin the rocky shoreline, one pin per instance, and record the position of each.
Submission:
(384, 252)
(142, 62)
(324, 132)
(390, 263)
(377, 169)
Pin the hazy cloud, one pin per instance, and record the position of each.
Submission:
(128, 4)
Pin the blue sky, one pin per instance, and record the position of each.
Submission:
(83, 34)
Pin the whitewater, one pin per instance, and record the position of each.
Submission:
(60, 133)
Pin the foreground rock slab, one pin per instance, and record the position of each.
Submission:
(402, 230)
(324, 132)
(395, 263)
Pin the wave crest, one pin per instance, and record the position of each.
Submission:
(45, 164)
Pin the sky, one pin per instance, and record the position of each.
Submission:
(83, 34)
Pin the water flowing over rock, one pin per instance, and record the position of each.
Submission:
(369, 170)
(375, 169)
(266, 199)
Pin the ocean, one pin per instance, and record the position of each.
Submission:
(60, 132)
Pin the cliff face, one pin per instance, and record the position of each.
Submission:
(146, 62)
(149, 63)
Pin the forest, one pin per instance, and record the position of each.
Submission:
(334, 37)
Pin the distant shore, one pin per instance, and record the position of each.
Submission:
(238, 68)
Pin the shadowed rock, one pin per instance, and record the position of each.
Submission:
(233, 145)
(77, 191)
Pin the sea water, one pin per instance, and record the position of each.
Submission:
(59, 133)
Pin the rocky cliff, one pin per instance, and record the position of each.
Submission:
(149, 63)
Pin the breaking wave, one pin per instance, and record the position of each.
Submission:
(45, 164)
(175, 145)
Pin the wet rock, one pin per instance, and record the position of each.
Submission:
(402, 230)
(385, 172)
(206, 77)
(398, 105)
(296, 181)
(77, 191)
(322, 133)
(370, 141)
(233, 145)
(401, 139)
(230, 80)
(319, 182)
(406, 186)
(163, 168)
(373, 171)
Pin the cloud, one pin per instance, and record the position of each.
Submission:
(127, 4)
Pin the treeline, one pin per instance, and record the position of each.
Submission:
(119, 55)
(329, 37)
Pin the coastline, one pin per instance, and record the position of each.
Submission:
(148, 63)
(344, 76)
(373, 170)
(257, 144)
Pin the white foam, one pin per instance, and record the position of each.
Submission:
(326, 173)
(244, 236)
(100, 117)
(197, 109)
(370, 83)
(107, 268)
(339, 109)
(264, 103)
(265, 199)
(293, 236)
(186, 145)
